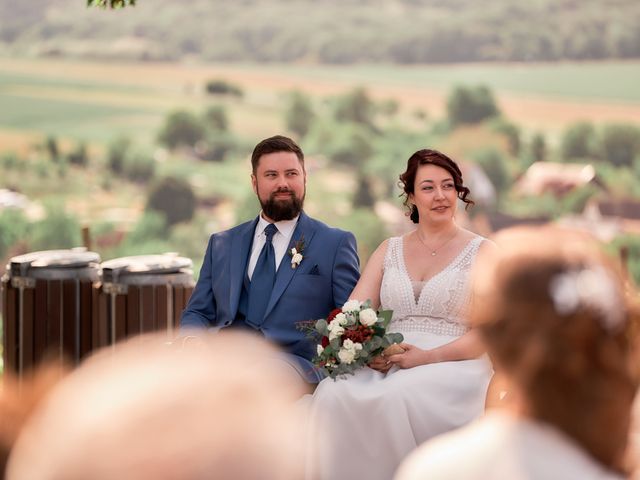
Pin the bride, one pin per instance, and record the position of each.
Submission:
(438, 382)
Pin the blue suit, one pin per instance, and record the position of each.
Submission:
(323, 281)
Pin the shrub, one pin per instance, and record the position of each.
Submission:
(181, 128)
(223, 87)
(51, 146)
(494, 164)
(538, 147)
(117, 153)
(510, 132)
(139, 167)
(79, 155)
(355, 106)
(57, 230)
(299, 114)
(13, 227)
(578, 141)
(471, 105)
(216, 146)
(174, 198)
(620, 144)
(351, 146)
(364, 197)
(216, 119)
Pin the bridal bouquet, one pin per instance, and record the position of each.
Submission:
(351, 336)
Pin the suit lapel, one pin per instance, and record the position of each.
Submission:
(304, 229)
(240, 251)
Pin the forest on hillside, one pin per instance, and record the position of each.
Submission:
(331, 31)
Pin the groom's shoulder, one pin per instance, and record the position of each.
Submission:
(230, 233)
(328, 230)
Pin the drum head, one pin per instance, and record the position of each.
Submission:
(53, 259)
(143, 264)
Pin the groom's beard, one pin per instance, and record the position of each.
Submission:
(278, 210)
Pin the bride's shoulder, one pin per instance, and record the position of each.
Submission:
(387, 246)
(481, 241)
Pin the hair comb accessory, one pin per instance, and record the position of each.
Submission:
(590, 287)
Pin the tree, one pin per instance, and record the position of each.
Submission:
(620, 144)
(51, 146)
(471, 105)
(181, 128)
(511, 132)
(299, 114)
(174, 198)
(495, 166)
(351, 145)
(79, 155)
(578, 141)
(356, 106)
(223, 87)
(111, 3)
(13, 227)
(538, 147)
(216, 119)
(139, 167)
(116, 154)
(57, 230)
(364, 197)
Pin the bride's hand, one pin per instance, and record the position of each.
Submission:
(380, 363)
(411, 357)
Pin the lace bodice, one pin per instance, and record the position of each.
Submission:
(442, 305)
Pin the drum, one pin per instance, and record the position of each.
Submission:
(47, 306)
(140, 294)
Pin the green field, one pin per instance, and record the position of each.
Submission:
(593, 81)
(98, 101)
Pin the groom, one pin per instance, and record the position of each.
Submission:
(251, 277)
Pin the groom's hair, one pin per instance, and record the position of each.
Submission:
(277, 143)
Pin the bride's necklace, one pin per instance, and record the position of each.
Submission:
(434, 251)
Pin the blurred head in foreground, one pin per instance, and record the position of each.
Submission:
(19, 398)
(150, 411)
(551, 310)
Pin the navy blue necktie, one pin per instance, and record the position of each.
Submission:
(264, 276)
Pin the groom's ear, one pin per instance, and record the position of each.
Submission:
(254, 183)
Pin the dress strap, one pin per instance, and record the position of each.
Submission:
(391, 257)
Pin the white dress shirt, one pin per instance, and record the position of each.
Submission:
(280, 241)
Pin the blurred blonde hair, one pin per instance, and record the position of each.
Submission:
(152, 411)
(19, 398)
(561, 339)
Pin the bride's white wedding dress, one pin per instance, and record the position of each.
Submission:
(370, 420)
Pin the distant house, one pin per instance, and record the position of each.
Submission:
(11, 199)
(482, 190)
(487, 223)
(556, 178)
(606, 219)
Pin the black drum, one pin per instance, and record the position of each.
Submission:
(140, 294)
(47, 306)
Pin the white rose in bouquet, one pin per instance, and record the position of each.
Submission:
(368, 317)
(351, 306)
(341, 318)
(346, 356)
(335, 329)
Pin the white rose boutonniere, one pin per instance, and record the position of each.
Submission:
(296, 253)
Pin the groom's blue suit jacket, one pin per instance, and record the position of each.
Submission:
(323, 281)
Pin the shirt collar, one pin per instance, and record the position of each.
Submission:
(285, 227)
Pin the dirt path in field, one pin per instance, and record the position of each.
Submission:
(533, 112)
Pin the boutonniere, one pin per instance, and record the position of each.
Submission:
(296, 253)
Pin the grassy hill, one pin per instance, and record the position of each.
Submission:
(331, 31)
